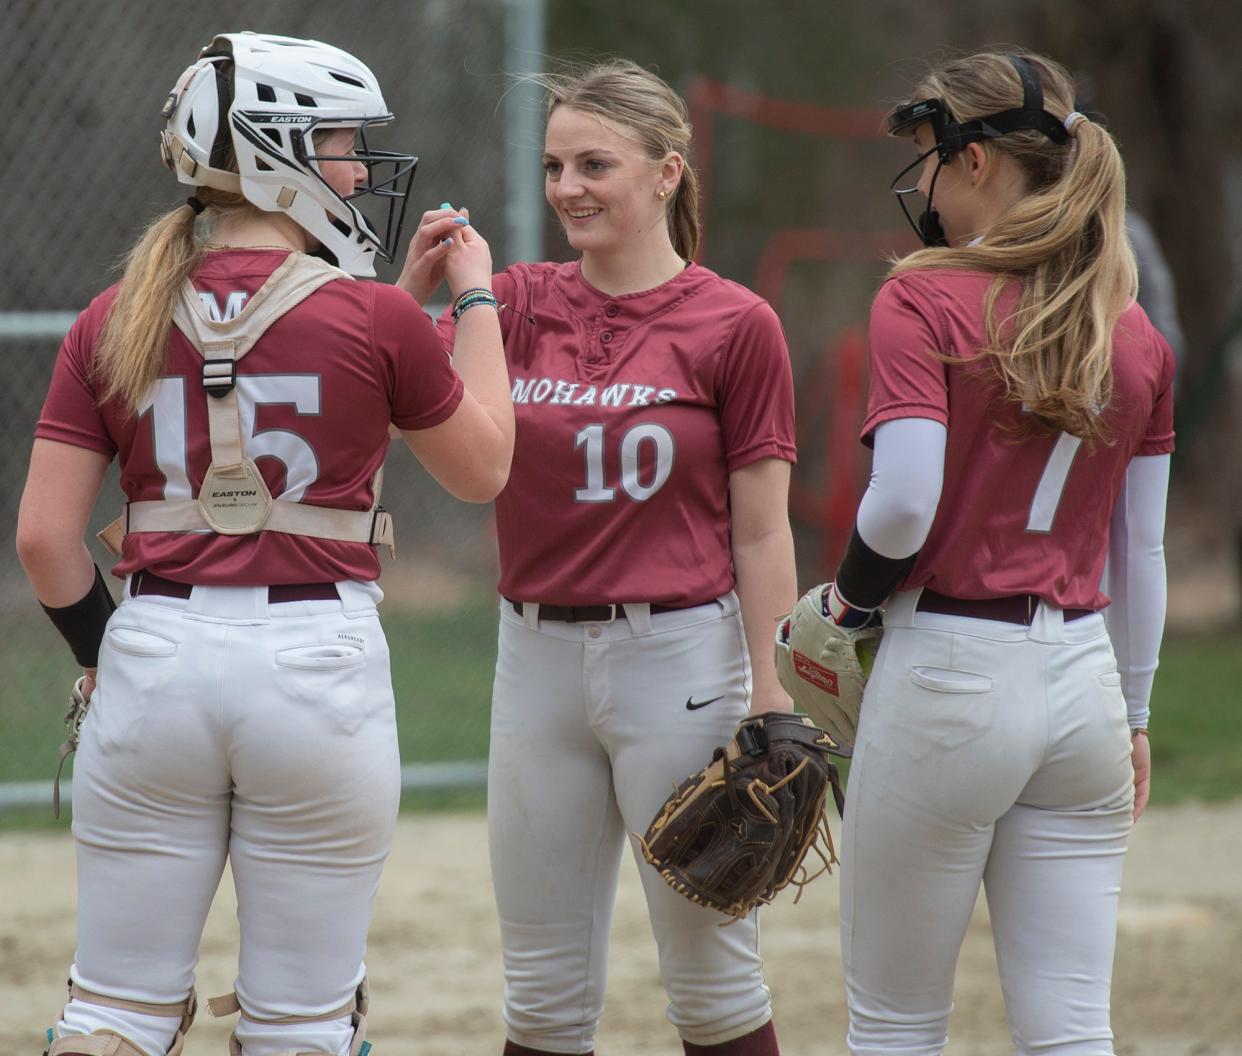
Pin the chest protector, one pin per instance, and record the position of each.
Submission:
(234, 499)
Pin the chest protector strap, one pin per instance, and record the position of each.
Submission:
(234, 499)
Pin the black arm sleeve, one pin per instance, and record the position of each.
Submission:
(866, 578)
(82, 623)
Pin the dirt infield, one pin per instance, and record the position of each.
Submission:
(435, 964)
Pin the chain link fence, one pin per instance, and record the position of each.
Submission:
(795, 206)
(85, 81)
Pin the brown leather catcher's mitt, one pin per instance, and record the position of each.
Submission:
(731, 836)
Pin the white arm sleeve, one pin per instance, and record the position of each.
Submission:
(1134, 578)
(907, 473)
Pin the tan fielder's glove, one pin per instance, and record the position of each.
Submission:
(824, 666)
(79, 704)
(732, 835)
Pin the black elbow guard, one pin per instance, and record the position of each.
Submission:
(866, 578)
(82, 623)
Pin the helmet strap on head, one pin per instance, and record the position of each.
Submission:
(952, 137)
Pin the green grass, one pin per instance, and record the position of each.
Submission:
(442, 670)
(1196, 719)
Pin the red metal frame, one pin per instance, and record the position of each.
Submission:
(839, 372)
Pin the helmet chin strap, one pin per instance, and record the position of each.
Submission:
(930, 230)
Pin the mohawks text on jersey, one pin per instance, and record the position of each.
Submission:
(579, 394)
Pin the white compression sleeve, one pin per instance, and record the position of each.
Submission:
(907, 473)
(1135, 580)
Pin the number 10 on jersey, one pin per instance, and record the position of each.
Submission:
(593, 439)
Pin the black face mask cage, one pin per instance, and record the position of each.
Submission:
(953, 136)
(927, 226)
(389, 176)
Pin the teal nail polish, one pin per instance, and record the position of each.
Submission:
(460, 220)
(446, 205)
(445, 241)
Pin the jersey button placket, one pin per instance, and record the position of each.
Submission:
(599, 347)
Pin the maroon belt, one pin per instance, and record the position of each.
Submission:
(1015, 608)
(590, 613)
(149, 583)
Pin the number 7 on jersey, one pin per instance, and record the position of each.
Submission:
(1052, 483)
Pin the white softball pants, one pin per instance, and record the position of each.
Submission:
(995, 753)
(223, 727)
(590, 732)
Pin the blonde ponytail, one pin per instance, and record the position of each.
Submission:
(133, 346)
(1064, 243)
(683, 215)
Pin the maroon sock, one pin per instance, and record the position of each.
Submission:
(761, 1042)
(512, 1048)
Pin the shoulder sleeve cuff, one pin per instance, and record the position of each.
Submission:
(866, 578)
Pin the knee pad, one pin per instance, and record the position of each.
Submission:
(109, 1042)
(356, 1008)
(97, 1043)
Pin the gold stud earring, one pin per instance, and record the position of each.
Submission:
(661, 195)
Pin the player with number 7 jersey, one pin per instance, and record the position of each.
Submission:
(1021, 414)
(1018, 513)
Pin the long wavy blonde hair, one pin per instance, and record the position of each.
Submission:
(624, 93)
(1064, 243)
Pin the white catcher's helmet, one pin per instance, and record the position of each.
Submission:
(263, 96)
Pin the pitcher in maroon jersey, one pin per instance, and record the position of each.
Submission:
(241, 707)
(1020, 412)
(645, 553)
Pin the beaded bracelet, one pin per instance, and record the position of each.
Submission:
(476, 296)
(467, 300)
(465, 306)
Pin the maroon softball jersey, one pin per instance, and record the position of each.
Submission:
(316, 394)
(1017, 515)
(631, 413)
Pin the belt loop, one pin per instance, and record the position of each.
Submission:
(1047, 624)
(530, 614)
(358, 597)
(229, 603)
(901, 607)
(638, 616)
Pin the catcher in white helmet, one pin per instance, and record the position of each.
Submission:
(240, 702)
(243, 119)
